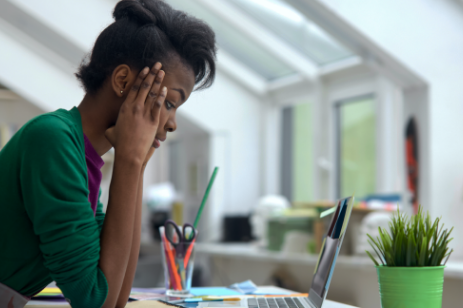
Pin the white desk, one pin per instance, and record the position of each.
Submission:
(327, 304)
(331, 304)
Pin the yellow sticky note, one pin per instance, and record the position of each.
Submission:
(51, 291)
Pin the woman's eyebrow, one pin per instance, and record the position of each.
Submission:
(182, 93)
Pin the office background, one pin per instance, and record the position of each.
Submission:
(311, 102)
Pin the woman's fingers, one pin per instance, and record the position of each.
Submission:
(133, 93)
(146, 85)
(142, 85)
(157, 106)
(154, 92)
(158, 76)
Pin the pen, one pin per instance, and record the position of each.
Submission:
(178, 301)
(171, 303)
(211, 299)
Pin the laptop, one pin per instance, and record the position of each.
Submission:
(323, 270)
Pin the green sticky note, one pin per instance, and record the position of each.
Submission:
(328, 212)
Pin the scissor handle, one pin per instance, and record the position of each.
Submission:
(174, 240)
(189, 233)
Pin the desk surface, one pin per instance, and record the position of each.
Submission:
(327, 304)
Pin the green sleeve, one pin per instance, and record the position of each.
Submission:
(54, 185)
(99, 215)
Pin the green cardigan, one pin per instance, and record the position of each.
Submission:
(48, 231)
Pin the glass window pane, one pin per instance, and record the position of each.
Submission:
(357, 145)
(236, 44)
(294, 28)
(303, 171)
(297, 168)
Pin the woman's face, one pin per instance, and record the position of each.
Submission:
(179, 80)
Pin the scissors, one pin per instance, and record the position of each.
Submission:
(178, 239)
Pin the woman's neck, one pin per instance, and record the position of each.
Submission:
(98, 114)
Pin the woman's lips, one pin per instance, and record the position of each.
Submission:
(156, 143)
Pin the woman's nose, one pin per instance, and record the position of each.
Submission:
(171, 125)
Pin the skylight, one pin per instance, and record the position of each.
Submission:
(294, 28)
(237, 44)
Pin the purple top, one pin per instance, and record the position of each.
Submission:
(94, 164)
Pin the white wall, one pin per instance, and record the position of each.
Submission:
(230, 110)
(425, 34)
(80, 22)
(26, 68)
(417, 105)
(17, 112)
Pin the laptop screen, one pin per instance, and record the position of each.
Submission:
(329, 252)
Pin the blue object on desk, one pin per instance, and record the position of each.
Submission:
(217, 291)
(193, 300)
(245, 287)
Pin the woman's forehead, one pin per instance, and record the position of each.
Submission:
(180, 77)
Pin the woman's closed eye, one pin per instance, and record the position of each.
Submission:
(169, 105)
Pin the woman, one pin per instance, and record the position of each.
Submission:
(51, 222)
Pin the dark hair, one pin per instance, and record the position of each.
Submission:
(145, 32)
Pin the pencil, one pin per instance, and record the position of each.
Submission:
(188, 253)
(206, 194)
(172, 262)
(172, 283)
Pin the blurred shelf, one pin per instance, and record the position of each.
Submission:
(454, 269)
(329, 204)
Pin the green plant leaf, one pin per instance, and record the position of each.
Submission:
(398, 249)
(421, 261)
(414, 241)
(371, 257)
(377, 253)
(410, 250)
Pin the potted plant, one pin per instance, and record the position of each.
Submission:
(411, 261)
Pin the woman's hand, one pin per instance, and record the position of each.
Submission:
(138, 120)
(111, 136)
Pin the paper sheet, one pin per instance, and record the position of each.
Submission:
(220, 291)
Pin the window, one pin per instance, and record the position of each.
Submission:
(297, 171)
(356, 147)
(293, 27)
(237, 44)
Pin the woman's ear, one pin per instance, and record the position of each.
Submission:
(120, 79)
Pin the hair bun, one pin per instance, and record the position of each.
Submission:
(134, 10)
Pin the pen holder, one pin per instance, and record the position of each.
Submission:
(178, 267)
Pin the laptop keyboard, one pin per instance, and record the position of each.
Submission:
(277, 302)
